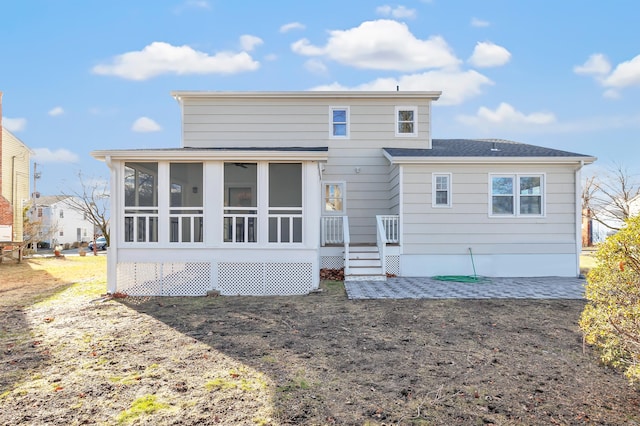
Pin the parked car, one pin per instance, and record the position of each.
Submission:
(101, 244)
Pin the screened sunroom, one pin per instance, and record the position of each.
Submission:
(185, 222)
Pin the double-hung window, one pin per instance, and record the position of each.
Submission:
(406, 121)
(517, 195)
(334, 198)
(339, 122)
(441, 190)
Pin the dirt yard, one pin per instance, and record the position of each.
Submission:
(70, 357)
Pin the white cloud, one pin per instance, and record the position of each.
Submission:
(397, 12)
(456, 86)
(506, 114)
(54, 112)
(383, 45)
(45, 155)
(163, 58)
(597, 64)
(14, 124)
(249, 42)
(145, 125)
(625, 74)
(292, 26)
(315, 66)
(479, 23)
(487, 54)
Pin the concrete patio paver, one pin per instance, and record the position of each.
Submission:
(484, 288)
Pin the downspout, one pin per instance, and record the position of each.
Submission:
(578, 216)
(112, 251)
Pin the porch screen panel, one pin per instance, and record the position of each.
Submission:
(285, 202)
(240, 218)
(186, 203)
(141, 202)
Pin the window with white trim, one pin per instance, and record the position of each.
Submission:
(339, 122)
(333, 198)
(406, 121)
(441, 190)
(517, 195)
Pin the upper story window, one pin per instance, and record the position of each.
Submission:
(339, 122)
(441, 190)
(406, 121)
(517, 195)
(61, 214)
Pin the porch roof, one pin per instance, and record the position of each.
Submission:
(233, 154)
(483, 151)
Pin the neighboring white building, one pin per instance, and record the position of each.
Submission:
(61, 224)
(270, 187)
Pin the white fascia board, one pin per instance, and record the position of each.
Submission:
(488, 160)
(205, 154)
(319, 94)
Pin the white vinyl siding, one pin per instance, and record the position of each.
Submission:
(428, 230)
(299, 123)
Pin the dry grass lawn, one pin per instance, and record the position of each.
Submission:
(71, 356)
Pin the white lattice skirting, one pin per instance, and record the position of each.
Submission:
(337, 262)
(164, 279)
(393, 264)
(332, 262)
(234, 278)
(265, 278)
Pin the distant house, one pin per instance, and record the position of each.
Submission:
(14, 184)
(610, 218)
(59, 222)
(269, 188)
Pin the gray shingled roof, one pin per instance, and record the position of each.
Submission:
(480, 148)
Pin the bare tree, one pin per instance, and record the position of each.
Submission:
(610, 199)
(34, 230)
(92, 200)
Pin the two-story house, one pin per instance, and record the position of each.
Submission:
(270, 187)
(60, 223)
(14, 184)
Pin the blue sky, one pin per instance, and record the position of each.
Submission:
(84, 75)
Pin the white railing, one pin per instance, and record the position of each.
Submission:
(347, 239)
(285, 228)
(140, 227)
(391, 226)
(186, 227)
(381, 241)
(240, 228)
(333, 229)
